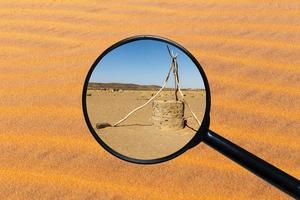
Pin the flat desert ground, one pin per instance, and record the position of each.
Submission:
(250, 51)
(137, 137)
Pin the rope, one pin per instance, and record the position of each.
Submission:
(140, 107)
(186, 102)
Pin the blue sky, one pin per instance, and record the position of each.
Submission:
(145, 62)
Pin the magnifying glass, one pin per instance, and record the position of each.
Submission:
(146, 100)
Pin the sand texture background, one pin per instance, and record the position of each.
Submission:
(249, 50)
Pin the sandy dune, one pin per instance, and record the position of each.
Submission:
(250, 53)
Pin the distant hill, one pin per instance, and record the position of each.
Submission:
(126, 86)
(123, 86)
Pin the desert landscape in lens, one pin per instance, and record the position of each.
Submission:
(138, 137)
(250, 51)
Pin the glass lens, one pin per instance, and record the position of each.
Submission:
(146, 99)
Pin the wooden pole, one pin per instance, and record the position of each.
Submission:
(177, 82)
(175, 71)
(175, 76)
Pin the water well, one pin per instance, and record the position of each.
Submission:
(168, 114)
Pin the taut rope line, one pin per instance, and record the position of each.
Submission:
(185, 102)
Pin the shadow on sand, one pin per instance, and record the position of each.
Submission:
(133, 125)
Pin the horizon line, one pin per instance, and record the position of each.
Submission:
(143, 85)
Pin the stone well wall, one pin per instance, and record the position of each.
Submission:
(168, 114)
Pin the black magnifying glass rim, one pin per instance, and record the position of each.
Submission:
(196, 138)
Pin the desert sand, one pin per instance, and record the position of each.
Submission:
(137, 137)
(249, 51)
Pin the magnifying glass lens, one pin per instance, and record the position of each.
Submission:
(145, 99)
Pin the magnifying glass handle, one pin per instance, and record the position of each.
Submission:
(263, 169)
